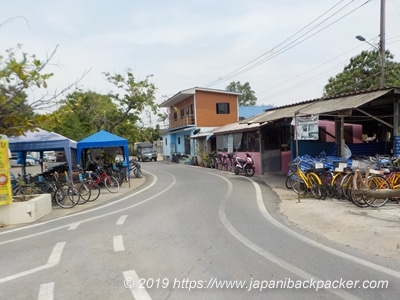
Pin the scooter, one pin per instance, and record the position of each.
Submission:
(245, 166)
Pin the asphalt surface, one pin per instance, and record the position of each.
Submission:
(374, 230)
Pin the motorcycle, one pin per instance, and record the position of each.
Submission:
(245, 166)
(134, 166)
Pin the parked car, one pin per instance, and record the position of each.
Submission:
(49, 157)
(144, 151)
(30, 161)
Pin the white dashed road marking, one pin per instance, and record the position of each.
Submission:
(53, 260)
(118, 243)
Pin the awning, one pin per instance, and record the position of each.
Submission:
(343, 103)
(206, 135)
(319, 106)
(235, 127)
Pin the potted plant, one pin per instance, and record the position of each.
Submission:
(206, 160)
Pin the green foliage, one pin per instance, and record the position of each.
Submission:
(84, 113)
(19, 73)
(363, 73)
(81, 113)
(247, 97)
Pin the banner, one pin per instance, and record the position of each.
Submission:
(307, 127)
(5, 179)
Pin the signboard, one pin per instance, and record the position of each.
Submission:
(307, 127)
(5, 180)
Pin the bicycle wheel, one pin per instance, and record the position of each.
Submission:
(30, 190)
(375, 183)
(138, 173)
(316, 186)
(288, 182)
(356, 198)
(224, 165)
(66, 197)
(119, 176)
(327, 179)
(111, 184)
(94, 190)
(219, 164)
(345, 186)
(336, 186)
(84, 192)
(395, 184)
(297, 184)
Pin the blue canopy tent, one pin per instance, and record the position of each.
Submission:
(42, 140)
(104, 139)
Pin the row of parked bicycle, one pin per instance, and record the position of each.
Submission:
(365, 181)
(232, 163)
(85, 188)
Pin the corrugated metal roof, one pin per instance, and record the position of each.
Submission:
(318, 106)
(235, 127)
(347, 102)
(182, 95)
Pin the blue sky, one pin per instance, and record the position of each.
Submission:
(184, 44)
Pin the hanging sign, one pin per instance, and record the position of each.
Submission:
(307, 127)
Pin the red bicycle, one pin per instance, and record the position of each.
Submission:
(110, 182)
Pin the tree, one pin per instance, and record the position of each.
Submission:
(81, 114)
(247, 97)
(84, 113)
(19, 73)
(363, 73)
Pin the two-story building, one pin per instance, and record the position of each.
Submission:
(196, 110)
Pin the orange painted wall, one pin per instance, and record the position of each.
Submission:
(206, 111)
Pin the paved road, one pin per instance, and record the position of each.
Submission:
(185, 231)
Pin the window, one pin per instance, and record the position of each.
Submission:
(222, 108)
(175, 116)
(179, 140)
(182, 113)
(250, 141)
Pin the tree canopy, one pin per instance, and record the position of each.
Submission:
(83, 113)
(247, 97)
(20, 72)
(363, 73)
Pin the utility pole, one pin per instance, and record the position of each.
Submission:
(382, 50)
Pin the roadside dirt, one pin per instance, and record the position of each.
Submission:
(375, 230)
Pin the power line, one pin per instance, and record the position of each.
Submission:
(277, 46)
(258, 61)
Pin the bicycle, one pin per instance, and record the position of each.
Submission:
(64, 194)
(231, 162)
(110, 182)
(89, 189)
(24, 188)
(306, 181)
(358, 185)
(333, 180)
(223, 162)
(214, 160)
(135, 167)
